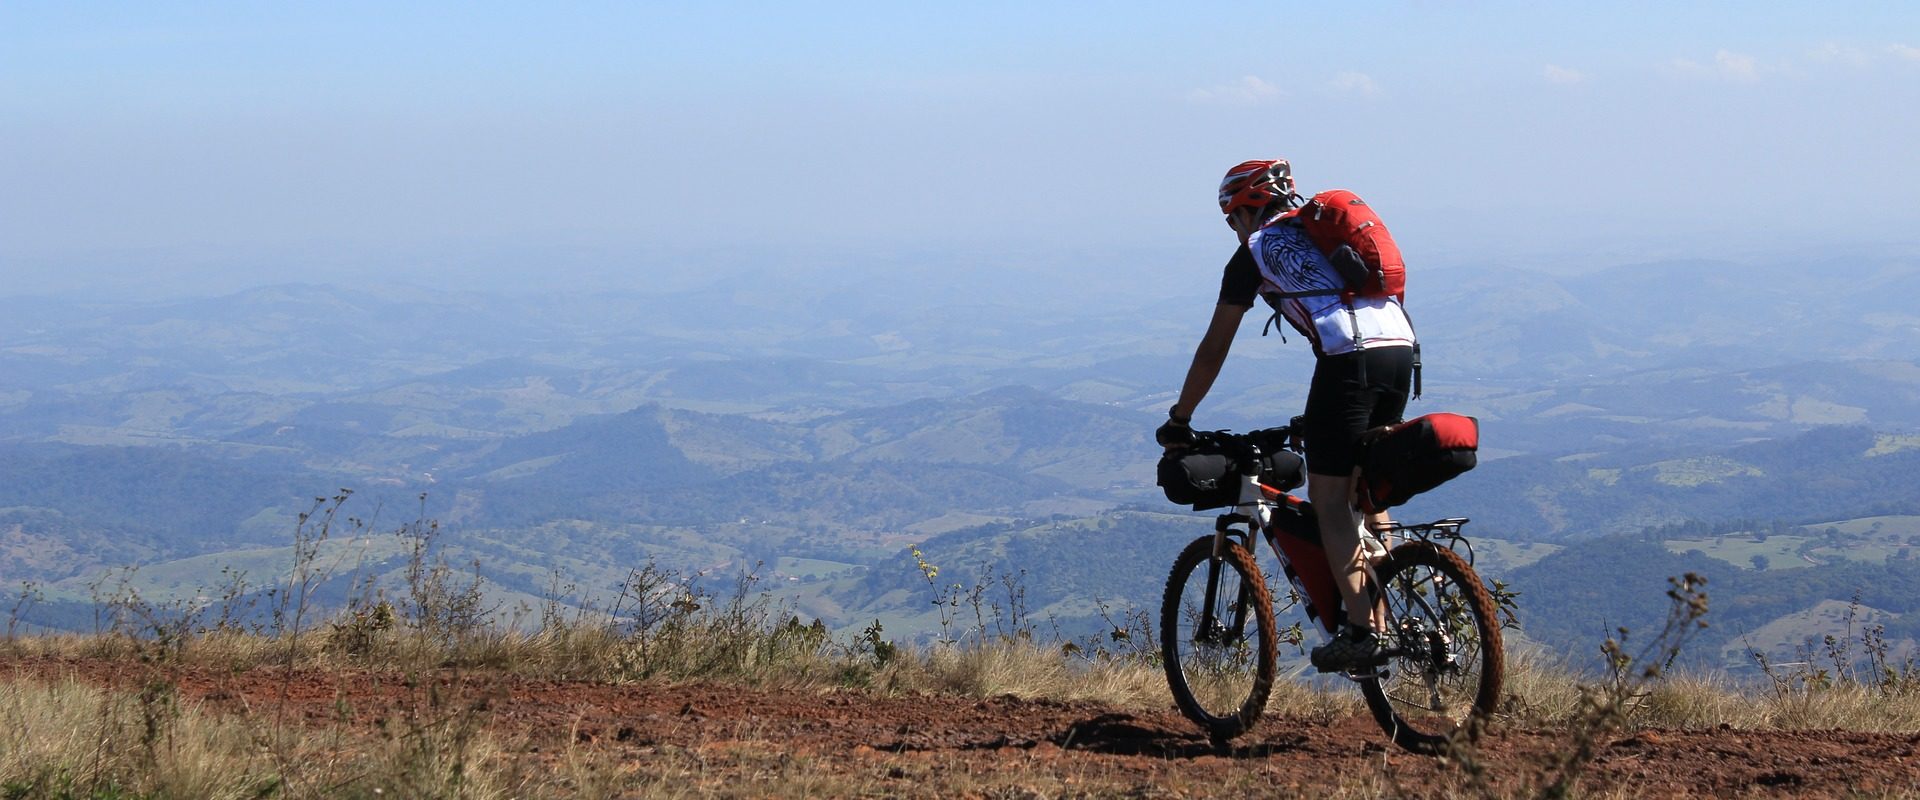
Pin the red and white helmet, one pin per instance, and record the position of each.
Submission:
(1255, 184)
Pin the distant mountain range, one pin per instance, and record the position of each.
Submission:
(1826, 473)
(819, 431)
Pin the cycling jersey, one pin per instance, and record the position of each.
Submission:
(1279, 260)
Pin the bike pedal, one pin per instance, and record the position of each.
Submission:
(1380, 673)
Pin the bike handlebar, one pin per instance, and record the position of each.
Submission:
(1251, 444)
(1257, 454)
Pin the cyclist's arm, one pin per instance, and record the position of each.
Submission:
(1239, 283)
(1209, 356)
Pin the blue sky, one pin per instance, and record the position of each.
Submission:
(232, 143)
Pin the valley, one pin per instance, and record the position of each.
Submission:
(557, 443)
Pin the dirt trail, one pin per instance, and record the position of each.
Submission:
(929, 742)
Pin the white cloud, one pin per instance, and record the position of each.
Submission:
(1845, 54)
(1863, 56)
(1559, 74)
(1247, 91)
(1727, 65)
(1355, 83)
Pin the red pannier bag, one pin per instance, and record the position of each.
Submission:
(1414, 456)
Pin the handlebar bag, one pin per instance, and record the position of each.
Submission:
(1207, 474)
(1284, 470)
(1195, 477)
(1416, 456)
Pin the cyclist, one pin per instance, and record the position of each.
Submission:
(1363, 367)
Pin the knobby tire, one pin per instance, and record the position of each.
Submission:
(1445, 680)
(1209, 661)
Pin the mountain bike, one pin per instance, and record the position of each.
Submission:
(1437, 620)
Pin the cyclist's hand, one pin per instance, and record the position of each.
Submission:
(1174, 434)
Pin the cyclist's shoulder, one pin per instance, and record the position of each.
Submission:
(1285, 226)
(1283, 238)
(1240, 281)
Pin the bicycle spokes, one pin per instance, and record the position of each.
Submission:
(1445, 664)
(1219, 625)
(1217, 637)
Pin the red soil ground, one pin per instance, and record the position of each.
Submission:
(952, 746)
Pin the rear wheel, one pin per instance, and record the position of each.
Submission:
(1447, 664)
(1217, 638)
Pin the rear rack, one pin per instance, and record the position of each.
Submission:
(1440, 533)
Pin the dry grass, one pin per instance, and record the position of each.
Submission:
(79, 742)
(70, 740)
(1849, 707)
(1028, 670)
(74, 740)
(1542, 691)
(676, 631)
(84, 742)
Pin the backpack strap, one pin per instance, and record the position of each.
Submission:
(1416, 368)
(1307, 293)
(1274, 323)
(1416, 349)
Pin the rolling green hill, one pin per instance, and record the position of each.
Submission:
(1835, 472)
(1573, 599)
(820, 431)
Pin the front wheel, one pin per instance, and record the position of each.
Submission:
(1447, 663)
(1217, 638)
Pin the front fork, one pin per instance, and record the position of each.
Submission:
(1224, 530)
(1253, 512)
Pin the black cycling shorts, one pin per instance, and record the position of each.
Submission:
(1351, 393)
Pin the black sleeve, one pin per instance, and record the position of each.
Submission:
(1241, 281)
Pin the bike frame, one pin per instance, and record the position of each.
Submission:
(1292, 531)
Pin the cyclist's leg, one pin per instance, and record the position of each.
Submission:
(1390, 371)
(1346, 398)
(1338, 410)
(1340, 537)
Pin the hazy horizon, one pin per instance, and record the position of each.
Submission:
(214, 147)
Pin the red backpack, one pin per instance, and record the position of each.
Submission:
(1353, 238)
